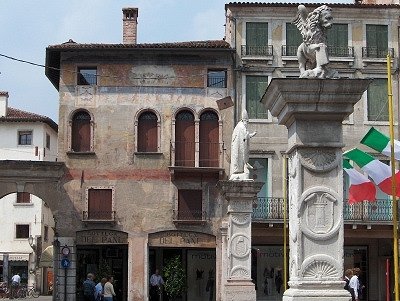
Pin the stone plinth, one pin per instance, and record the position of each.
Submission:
(236, 255)
(313, 111)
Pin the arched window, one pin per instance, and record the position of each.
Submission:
(81, 132)
(184, 139)
(147, 132)
(209, 140)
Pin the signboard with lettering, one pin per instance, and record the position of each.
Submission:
(183, 239)
(101, 237)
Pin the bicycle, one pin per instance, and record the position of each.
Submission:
(32, 292)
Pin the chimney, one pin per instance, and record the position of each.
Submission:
(129, 23)
(3, 103)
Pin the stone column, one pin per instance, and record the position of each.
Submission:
(313, 111)
(236, 253)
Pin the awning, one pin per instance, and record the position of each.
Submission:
(46, 260)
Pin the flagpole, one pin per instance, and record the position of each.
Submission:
(394, 198)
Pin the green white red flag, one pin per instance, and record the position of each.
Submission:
(361, 188)
(379, 172)
(381, 143)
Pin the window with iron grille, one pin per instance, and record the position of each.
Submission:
(25, 138)
(21, 231)
(377, 100)
(376, 41)
(87, 76)
(23, 197)
(147, 138)
(100, 204)
(216, 78)
(190, 205)
(255, 89)
(81, 132)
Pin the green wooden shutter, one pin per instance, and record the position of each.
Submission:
(378, 100)
(293, 39)
(255, 89)
(337, 38)
(256, 37)
(377, 40)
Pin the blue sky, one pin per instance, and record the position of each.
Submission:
(27, 27)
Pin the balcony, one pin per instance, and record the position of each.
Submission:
(271, 209)
(374, 52)
(99, 216)
(257, 53)
(189, 217)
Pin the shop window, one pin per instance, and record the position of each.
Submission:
(87, 76)
(216, 78)
(184, 139)
(377, 100)
(190, 206)
(99, 204)
(255, 89)
(81, 132)
(25, 138)
(147, 136)
(21, 231)
(209, 140)
(23, 197)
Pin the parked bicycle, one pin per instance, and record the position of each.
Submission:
(26, 292)
(32, 292)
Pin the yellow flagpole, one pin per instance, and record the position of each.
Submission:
(284, 184)
(394, 198)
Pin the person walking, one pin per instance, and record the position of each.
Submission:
(354, 284)
(109, 290)
(89, 288)
(347, 276)
(15, 282)
(99, 296)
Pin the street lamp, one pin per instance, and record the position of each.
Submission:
(31, 241)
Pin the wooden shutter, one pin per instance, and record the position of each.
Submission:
(190, 204)
(209, 140)
(81, 135)
(256, 37)
(23, 197)
(184, 139)
(293, 39)
(378, 101)
(337, 38)
(255, 89)
(100, 204)
(377, 40)
(147, 132)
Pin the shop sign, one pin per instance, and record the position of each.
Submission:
(18, 257)
(183, 239)
(101, 237)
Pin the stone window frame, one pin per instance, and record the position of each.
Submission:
(196, 115)
(364, 99)
(136, 130)
(108, 187)
(69, 131)
(87, 67)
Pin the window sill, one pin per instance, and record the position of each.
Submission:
(23, 204)
(190, 222)
(72, 153)
(148, 153)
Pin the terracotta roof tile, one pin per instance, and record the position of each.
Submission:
(15, 115)
(4, 93)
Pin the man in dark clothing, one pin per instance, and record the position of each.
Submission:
(89, 288)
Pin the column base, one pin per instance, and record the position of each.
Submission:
(295, 294)
(240, 290)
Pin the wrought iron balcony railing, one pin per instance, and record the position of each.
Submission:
(189, 215)
(199, 154)
(266, 50)
(216, 82)
(334, 51)
(374, 52)
(270, 209)
(98, 216)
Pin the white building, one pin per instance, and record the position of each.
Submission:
(25, 136)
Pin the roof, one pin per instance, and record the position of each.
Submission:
(53, 51)
(15, 115)
(332, 5)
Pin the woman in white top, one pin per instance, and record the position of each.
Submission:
(109, 290)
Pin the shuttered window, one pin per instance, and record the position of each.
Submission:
(255, 89)
(256, 38)
(23, 197)
(337, 37)
(81, 136)
(377, 41)
(378, 100)
(293, 39)
(147, 132)
(21, 231)
(100, 204)
(209, 139)
(184, 139)
(190, 204)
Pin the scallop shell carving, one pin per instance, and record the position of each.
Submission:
(239, 271)
(241, 219)
(319, 269)
(319, 160)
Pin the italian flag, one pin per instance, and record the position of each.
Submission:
(361, 188)
(381, 143)
(380, 173)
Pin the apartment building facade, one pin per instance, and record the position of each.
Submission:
(266, 42)
(27, 221)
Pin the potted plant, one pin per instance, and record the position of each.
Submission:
(175, 277)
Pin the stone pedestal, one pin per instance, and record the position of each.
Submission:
(313, 111)
(236, 255)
